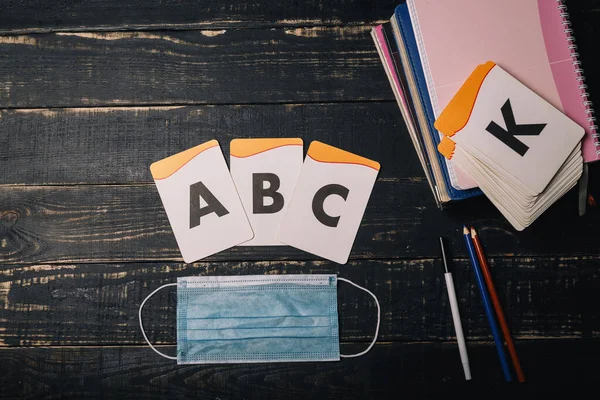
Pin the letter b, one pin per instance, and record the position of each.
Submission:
(259, 192)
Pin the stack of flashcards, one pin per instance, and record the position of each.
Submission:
(271, 197)
(522, 152)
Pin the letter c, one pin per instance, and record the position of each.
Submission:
(319, 199)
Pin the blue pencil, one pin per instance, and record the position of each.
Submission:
(487, 305)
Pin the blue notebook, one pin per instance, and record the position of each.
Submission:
(405, 42)
(402, 18)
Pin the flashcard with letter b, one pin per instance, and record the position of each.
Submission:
(264, 172)
(201, 202)
(328, 203)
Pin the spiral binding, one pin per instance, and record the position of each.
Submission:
(587, 103)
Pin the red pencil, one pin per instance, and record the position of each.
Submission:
(497, 307)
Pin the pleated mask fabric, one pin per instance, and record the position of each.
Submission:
(257, 318)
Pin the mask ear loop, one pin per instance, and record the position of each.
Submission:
(142, 326)
(378, 320)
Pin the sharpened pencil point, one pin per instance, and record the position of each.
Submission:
(465, 230)
(473, 232)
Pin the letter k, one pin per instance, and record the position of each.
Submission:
(512, 129)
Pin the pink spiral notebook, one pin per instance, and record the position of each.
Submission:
(530, 39)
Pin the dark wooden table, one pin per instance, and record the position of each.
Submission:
(92, 92)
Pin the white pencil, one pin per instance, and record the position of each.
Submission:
(460, 337)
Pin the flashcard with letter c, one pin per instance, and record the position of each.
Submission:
(328, 203)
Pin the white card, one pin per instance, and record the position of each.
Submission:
(507, 201)
(264, 172)
(202, 204)
(328, 202)
(511, 128)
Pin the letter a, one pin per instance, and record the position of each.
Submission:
(198, 190)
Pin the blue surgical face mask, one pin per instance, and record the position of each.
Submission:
(257, 318)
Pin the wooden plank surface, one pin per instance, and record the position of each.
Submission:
(583, 16)
(232, 66)
(73, 15)
(97, 304)
(276, 65)
(114, 86)
(390, 370)
(104, 223)
(117, 145)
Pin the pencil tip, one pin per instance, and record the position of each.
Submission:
(443, 254)
(465, 230)
(473, 232)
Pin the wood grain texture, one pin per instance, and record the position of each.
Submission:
(84, 237)
(73, 15)
(293, 65)
(583, 16)
(104, 223)
(394, 370)
(97, 304)
(117, 145)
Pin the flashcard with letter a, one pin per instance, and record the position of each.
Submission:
(264, 172)
(328, 203)
(201, 202)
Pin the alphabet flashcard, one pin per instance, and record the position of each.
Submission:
(264, 172)
(201, 202)
(509, 127)
(523, 153)
(328, 203)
